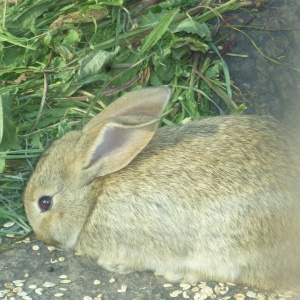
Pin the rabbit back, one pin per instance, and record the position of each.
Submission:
(216, 199)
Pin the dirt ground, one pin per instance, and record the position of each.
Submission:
(27, 270)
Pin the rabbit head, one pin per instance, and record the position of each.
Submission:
(58, 197)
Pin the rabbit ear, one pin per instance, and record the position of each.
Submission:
(112, 143)
(149, 101)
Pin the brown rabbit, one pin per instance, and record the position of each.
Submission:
(216, 199)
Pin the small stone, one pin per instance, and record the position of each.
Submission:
(26, 275)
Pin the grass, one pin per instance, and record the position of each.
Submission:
(61, 62)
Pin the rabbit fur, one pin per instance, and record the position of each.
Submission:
(215, 199)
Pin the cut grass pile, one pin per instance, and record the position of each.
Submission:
(62, 61)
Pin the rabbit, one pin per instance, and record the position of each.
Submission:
(215, 199)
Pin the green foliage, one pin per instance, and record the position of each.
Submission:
(61, 62)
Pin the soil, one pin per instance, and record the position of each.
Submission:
(267, 88)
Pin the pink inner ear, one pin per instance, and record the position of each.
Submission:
(112, 140)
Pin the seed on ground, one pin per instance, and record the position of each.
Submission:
(26, 275)
(32, 286)
(22, 294)
(175, 293)
(8, 285)
(167, 285)
(251, 294)
(19, 284)
(35, 247)
(63, 289)
(11, 235)
(19, 281)
(11, 294)
(96, 282)
(111, 280)
(17, 289)
(185, 286)
(185, 295)
(48, 284)
(53, 261)
(87, 298)
(63, 276)
(3, 293)
(9, 224)
(65, 281)
(26, 298)
(39, 291)
(58, 295)
(261, 296)
(51, 248)
(61, 258)
(123, 288)
(239, 296)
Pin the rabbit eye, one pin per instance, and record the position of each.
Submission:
(45, 203)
